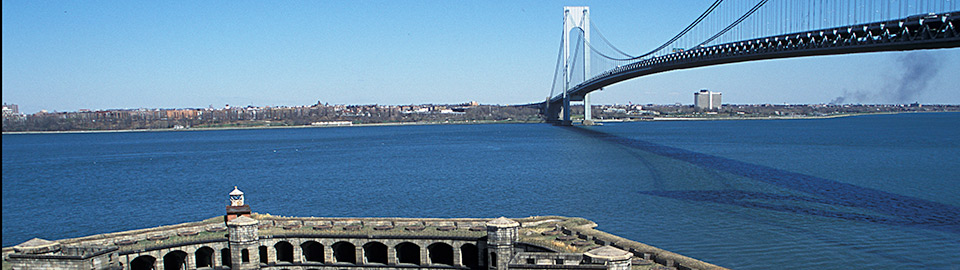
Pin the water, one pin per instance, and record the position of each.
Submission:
(861, 192)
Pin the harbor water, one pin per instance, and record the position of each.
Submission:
(865, 192)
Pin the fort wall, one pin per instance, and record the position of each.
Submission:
(246, 240)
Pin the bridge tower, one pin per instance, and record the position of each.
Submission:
(575, 18)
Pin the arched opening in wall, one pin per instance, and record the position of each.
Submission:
(469, 256)
(284, 251)
(344, 252)
(244, 256)
(493, 260)
(312, 251)
(204, 257)
(375, 252)
(483, 258)
(408, 253)
(440, 253)
(263, 254)
(225, 257)
(144, 262)
(175, 260)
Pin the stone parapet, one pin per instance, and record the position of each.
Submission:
(269, 242)
(588, 232)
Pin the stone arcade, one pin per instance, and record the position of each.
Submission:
(254, 241)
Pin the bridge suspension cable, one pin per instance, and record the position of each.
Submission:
(684, 32)
(566, 65)
(745, 22)
(575, 57)
(732, 25)
(597, 30)
(556, 70)
(784, 16)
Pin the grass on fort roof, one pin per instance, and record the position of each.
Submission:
(576, 221)
(643, 267)
(551, 241)
(534, 237)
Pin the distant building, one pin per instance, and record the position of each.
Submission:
(10, 109)
(706, 100)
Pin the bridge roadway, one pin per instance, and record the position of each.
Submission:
(932, 31)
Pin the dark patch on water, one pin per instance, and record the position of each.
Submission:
(908, 211)
(779, 203)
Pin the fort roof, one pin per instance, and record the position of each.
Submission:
(36, 242)
(503, 222)
(37, 246)
(563, 235)
(609, 253)
(243, 220)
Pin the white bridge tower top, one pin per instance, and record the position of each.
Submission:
(576, 18)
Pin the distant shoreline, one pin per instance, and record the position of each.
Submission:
(787, 117)
(477, 122)
(773, 117)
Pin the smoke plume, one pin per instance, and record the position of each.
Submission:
(917, 70)
(859, 96)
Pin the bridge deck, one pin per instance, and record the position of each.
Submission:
(912, 33)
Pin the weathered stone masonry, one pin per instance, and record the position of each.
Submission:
(252, 241)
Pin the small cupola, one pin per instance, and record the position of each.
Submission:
(236, 197)
(237, 207)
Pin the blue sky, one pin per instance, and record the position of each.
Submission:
(69, 55)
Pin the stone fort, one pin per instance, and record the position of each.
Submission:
(242, 239)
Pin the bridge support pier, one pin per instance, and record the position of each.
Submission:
(557, 112)
(551, 111)
(587, 116)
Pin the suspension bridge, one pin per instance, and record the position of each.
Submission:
(739, 31)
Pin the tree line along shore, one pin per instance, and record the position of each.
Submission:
(321, 115)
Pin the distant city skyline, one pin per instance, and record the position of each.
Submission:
(66, 56)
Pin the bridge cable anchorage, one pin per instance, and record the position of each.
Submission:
(732, 25)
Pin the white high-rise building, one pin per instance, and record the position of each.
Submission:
(706, 100)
